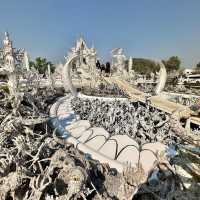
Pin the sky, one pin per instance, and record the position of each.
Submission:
(155, 29)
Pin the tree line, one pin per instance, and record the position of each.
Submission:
(146, 66)
(41, 64)
(139, 65)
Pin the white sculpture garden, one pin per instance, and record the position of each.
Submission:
(116, 143)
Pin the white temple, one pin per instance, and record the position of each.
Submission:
(87, 56)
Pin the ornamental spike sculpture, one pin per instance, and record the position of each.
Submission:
(67, 81)
(26, 61)
(162, 78)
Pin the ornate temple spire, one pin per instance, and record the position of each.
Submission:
(81, 44)
(7, 45)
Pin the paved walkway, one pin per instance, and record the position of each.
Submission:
(117, 150)
(156, 101)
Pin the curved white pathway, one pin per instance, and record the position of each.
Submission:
(117, 150)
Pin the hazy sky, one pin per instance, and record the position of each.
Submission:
(144, 28)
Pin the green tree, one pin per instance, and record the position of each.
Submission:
(31, 64)
(198, 66)
(144, 66)
(41, 64)
(172, 64)
(181, 70)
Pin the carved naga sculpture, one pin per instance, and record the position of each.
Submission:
(68, 85)
(162, 78)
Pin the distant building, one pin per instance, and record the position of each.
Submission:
(189, 71)
(189, 79)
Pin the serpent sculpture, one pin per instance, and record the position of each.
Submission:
(162, 78)
(67, 81)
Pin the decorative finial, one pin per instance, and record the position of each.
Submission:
(6, 34)
(26, 61)
(81, 36)
(7, 41)
(92, 45)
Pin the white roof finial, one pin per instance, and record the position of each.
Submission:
(6, 35)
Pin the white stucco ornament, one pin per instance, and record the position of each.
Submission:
(118, 60)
